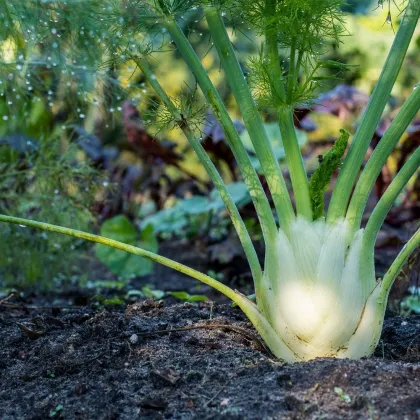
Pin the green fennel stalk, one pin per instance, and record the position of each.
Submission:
(384, 205)
(253, 122)
(211, 171)
(248, 172)
(379, 156)
(285, 118)
(373, 112)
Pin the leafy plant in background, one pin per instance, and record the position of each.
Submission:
(317, 295)
(411, 304)
(39, 179)
(195, 215)
(120, 229)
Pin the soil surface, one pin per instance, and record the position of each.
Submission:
(82, 363)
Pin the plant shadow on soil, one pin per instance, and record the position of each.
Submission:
(78, 363)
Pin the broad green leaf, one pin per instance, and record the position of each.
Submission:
(119, 262)
(176, 219)
(195, 205)
(167, 220)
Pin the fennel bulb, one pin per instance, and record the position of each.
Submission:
(315, 288)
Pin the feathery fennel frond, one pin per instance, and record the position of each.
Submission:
(302, 30)
(69, 46)
(191, 109)
(323, 175)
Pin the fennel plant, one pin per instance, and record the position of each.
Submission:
(317, 294)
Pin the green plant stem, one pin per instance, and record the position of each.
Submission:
(373, 113)
(396, 266)
(210, 168)
(291, 77)
(273, 341)
(123, 247)
(379, 156)
(295, 164)
(252, 119)
(273, 58)
(298, 65)
(376, 303)
(262, 206)
(378, 215)
(294, 158)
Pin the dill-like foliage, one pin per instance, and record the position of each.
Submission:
(68, 48)
(322, 176)
(74, 48)
(192, 110)
(43, 182)
(303, 31)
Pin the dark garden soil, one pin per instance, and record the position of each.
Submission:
(64, 354)
(81, 363)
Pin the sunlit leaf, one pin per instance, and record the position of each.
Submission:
(119, 262)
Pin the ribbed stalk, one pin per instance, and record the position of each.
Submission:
(211, 171)
(366, 338)
(285, 117)
(396, 266)
(249, 174)
(272, 57)
(295, 162)
(124, 247)
(379, 157)
(292, 68)
(252, 119)
(373, 113)
(378, 215)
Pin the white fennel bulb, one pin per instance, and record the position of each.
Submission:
(314, 291)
